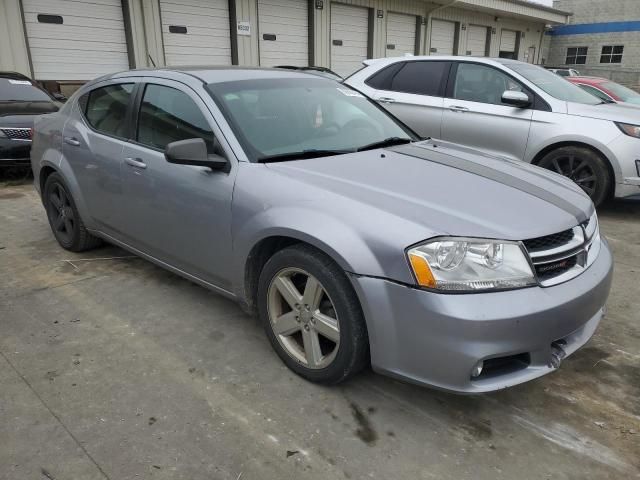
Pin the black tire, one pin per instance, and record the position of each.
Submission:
(584, 166)
(353, 349)
(61, 208)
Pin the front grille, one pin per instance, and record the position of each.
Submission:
(549, 241)
(558, 256)
(17, 133)
(547, 271)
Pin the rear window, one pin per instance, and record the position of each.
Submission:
(421, 78)
(17, 90)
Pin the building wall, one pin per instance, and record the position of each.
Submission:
(14, 54)
(146, 47)
(606, 17)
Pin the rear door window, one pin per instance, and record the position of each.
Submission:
(106, 108)
(421, 78)
(168, 115)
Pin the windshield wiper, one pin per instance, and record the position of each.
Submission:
(387, 142)
(300, 155)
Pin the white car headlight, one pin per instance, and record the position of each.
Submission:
(469, 264)
(628, 129)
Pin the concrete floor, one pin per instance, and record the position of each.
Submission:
(117, 369)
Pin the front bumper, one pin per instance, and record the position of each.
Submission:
(436, 339)
(14, 152)
(626, 150)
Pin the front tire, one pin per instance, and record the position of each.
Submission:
(63, 216)
(584, 166)
(312, 316)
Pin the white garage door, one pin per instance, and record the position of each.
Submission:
(75, 40)
(477, 41)
(349, 37)
(401, 34)
(283, 32)
(443, 36)
(508, 41)
(196, 32)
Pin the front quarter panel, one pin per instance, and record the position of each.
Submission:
(550, 128)
(353, 234)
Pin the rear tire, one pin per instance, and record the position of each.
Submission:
(584, 166)
(334, 322)
(63, 216)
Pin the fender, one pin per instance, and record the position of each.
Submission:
(317, 228)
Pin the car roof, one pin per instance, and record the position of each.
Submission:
(449, 58)
(213, 74)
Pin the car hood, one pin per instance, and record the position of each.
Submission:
(438, 188)
(616, 112)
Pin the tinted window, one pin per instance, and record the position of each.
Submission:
(106, 108)
(478, 83)
(18, 90)
(168, 115)
(423, 78)
(382, 80)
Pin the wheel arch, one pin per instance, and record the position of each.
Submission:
(265, 248)
(574, 143)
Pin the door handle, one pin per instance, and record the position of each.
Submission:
(72, 141)
(458, 108)
(386, 100)
(135, 162)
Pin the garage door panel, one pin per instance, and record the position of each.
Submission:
(90, 30)
(442, 37)
(188, 45)
(508, 41)
(288, 20)
(477, 40)
(401, 33)
(207, 40)
(68, 8)
(349, 24)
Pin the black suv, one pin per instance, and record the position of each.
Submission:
(20, 101)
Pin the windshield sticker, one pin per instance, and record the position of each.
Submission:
(350, 93)
(20, 82)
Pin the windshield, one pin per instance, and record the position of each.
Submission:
(623, 93)
(553, 84)
(286, 116)
(12, 90)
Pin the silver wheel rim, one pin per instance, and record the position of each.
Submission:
(303, 318)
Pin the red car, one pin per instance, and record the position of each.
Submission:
(606, 89)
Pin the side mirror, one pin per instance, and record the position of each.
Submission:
(515, 98)
(60, 97)
(193, 151)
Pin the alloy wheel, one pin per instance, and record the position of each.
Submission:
(578, 170)
(61, 213)
(303, 318)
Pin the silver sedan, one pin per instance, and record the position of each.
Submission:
(353, 240)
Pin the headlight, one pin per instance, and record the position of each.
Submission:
(467, 264)
(592, 226)
(631, 130)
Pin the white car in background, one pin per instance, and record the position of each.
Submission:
(514, 110)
